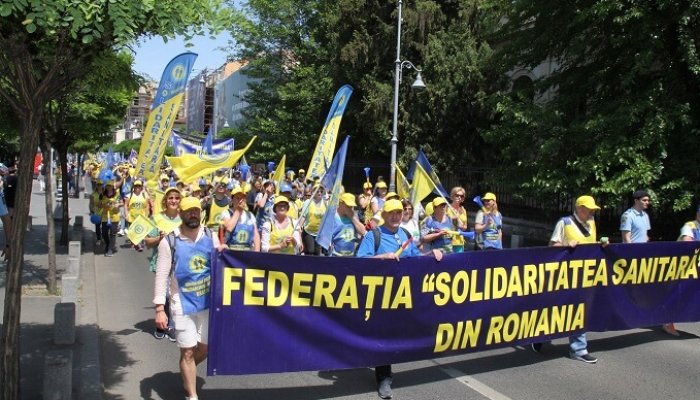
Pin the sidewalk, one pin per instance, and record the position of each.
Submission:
(37, 314)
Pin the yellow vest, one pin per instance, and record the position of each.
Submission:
(109, 208)
(572, 232)
(314, 216)
(277, 236)
(215, 216)
(138, 205)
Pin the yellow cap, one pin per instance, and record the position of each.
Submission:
(237, 190)
(170, 189)
(392, 195)
(392, 205)
(588, 202)
(367, 185)
(301, 171)
(281, 199)
(438, 201)
(348, 199)
(189, 203)
(164, 177)
(429, 209)
(381, 185)
(138, 182)
(489, 196)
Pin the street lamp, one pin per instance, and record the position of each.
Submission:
(417, 85)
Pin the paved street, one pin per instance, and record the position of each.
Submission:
(639, 364)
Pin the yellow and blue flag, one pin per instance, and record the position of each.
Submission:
(403, 188)
(323, 152)
(422, 160)
(332, 179)
(190, 167)
(422, 184)
(166, 104)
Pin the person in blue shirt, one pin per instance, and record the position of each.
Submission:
(347, 227)
(392, 240)
(634, 223)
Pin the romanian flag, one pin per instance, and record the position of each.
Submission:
(139, 229)
(326, 142)
(278, 175)
(190, 167)
(166, 104)
(403, 188)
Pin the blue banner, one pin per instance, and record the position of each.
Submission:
(332, 181)
(278, 313)
(219, 147)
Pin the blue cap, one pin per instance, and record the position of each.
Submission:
(285, 187)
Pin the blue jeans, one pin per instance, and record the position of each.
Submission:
(578, 344)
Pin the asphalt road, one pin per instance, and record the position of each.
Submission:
(638, 364)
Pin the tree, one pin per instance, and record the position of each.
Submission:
(44, 48)
(621, 109)
(303, 51)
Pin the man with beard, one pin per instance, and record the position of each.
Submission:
(185, 257)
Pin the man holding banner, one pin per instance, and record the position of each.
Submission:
(393, 243)
(578, 228)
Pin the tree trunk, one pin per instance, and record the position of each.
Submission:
(10, 367)
(65, 218)
(51, 233)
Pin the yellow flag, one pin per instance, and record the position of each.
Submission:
(139, 229)
(189, 167)
(403, 188)
(164, 224)
(422, 185)
(278, 175)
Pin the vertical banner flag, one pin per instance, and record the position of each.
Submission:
(423, 161)
(403, 188)
(133, 157)
(171, 91)
(332, 179)
(326, 142)
(422, 184)
(278, 175)
(208, 144)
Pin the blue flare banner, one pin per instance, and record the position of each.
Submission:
(282, 313)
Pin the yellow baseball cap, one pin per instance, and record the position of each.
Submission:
(588, 202)
(237, 190)
(392, 205)
(367, 185)
(392, 195)
(189, 203)
(438, 201)
(171, 189)
(381, 185)
(164, 177)
(489, 196)
(138, 182)
(348, 199)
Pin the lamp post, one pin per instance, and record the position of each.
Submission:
(417, 85)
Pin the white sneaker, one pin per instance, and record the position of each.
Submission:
(120, 233)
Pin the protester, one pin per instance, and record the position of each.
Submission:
(377, 201)
(364, 202)
(571, 231)
(218, 204)
(458, 215)
(110, 203)
(264, 202)
(279, 234)
(391, 238)
(436, 228)
(5, 213)
(488, 225)
(312, 214)
(95, 212)
(287, 191)
(347, 228)
(190, 244)
(634, 223)
(165, 222)
(138, 203)
(239, 224)
(410, 223)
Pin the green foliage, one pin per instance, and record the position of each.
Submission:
(621, 109)
(304, 51)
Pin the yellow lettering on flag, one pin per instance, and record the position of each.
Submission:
(139, 229)
(189, 167)
(323, 153)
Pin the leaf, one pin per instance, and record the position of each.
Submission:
(31, 28)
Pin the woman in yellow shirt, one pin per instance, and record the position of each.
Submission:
(312, 213)
(279, 234)
(138, 203)
(109, 204)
